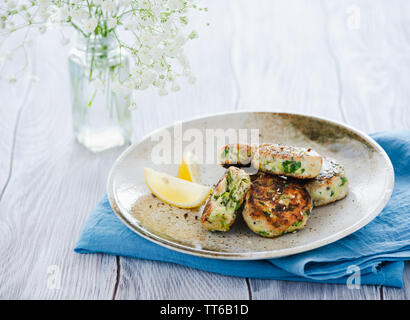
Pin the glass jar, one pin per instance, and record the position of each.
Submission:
(100, 103)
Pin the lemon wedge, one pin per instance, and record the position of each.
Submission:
(189, 168)
(175, 191)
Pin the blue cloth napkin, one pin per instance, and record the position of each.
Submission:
(374, 254)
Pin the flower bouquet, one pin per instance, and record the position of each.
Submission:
(118, 46)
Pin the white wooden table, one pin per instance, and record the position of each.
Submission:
(345, 60)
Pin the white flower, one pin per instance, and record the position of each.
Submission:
(145, 57)
(42, 29)
(43, 3)
(133, 106)
(125, 3)
(32, 78)
(44, 14)
(156, 53)
(145, 4)
(188, 74)
(193, 35)
(63, 13)
(160, 67)
(8, 55)
(191, 79)
(90, 25)
(155, 41)
(28, 42)
(130, 24)
(148, 76)
(144, 85)
(111, 23)
(156, 11)
(179, 41)
(173, 51)
(11, 4)
(64, 40)
(11, 79)
(150, 40)
(121, 88)
(162, 92)
(175, 87)
(79, 14)
(183, 60)
(108, 5)
(98, 84)
(116, 87)
(176, 4)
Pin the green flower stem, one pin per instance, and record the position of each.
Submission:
(92, 64)
(78, 28)
(92, 99)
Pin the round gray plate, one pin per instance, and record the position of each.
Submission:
(367, 166)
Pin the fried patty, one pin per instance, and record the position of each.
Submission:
(237, 154)
(275, 206)
(228, 195)
(287, 161)
(330, 185)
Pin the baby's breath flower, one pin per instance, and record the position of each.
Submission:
(111, 23)
(192, 79)
(155, 37)
(11, 79)
(79, 14)
(90, 25)
(8, 55)
(176, 4)
(125, 3)
(133, 106)
(108, 5)
(162, 92)
(183, 60)
(43, 3)
(175, 86)
(44, 14)
(145, 4)
(42, 29)
(28, 42)
(63, 14)
(32, 78)
(98, 84)
(64, 40)
(130, 24)
(11, 4)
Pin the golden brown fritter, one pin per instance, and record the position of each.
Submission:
(330, 185)
(276, 205)
(287, 161)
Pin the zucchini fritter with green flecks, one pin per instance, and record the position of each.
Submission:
(237, 154)
(287, 161)
(228, 195)
(275, 206)
(330, 185)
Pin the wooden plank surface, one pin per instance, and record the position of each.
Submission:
(54, 184)
(299, 56)
(372, 62)
(14, 101)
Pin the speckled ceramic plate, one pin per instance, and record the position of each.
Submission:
(367, 167)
